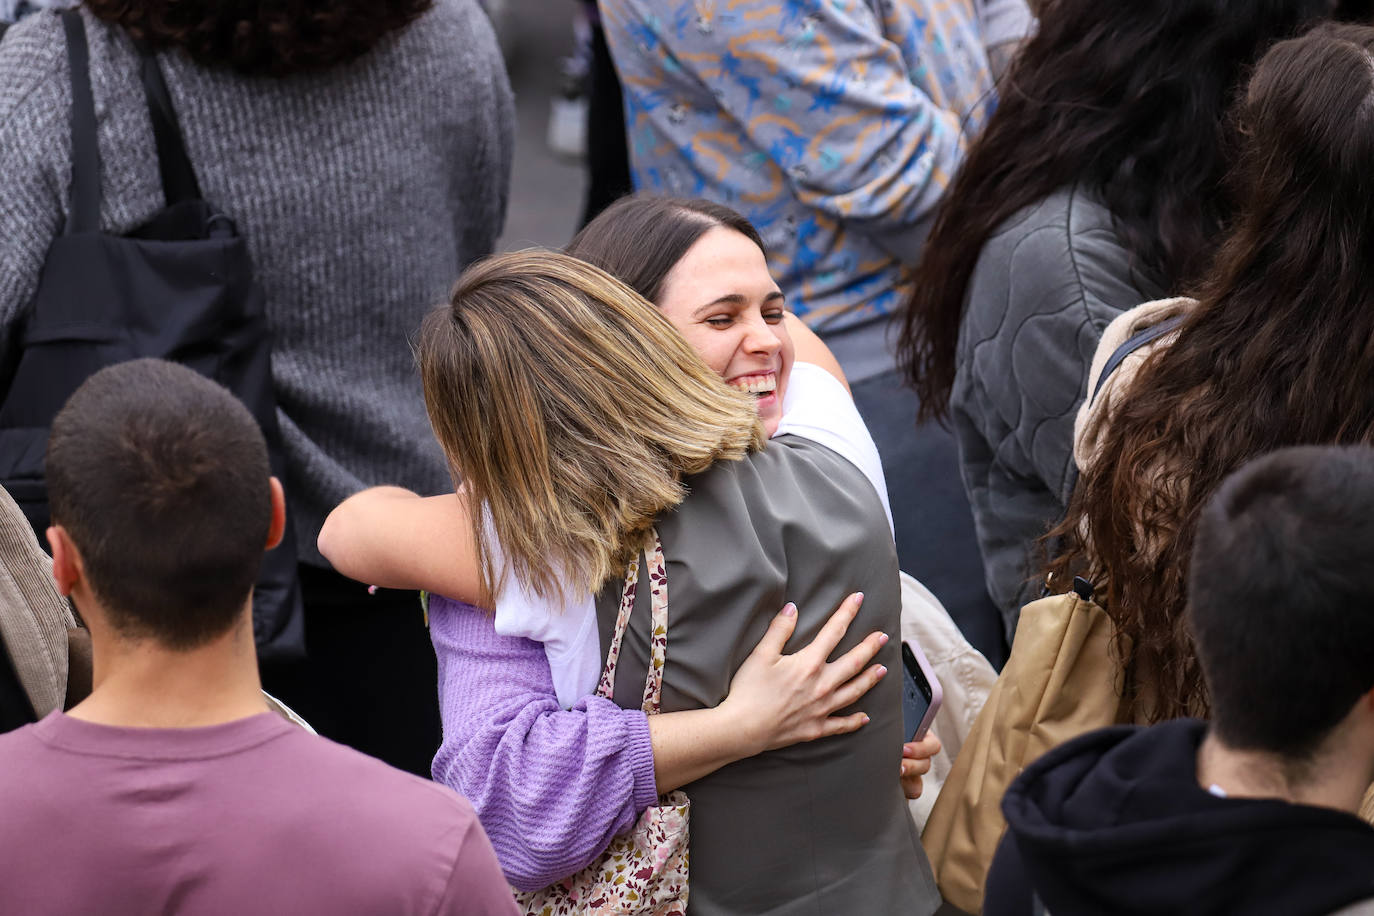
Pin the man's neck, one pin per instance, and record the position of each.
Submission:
(1327, 781)
(140, 683)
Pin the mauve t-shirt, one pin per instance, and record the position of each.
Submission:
(252, 816)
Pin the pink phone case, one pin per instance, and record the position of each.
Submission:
(923, 670)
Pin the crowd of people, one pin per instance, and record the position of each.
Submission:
(974, 324)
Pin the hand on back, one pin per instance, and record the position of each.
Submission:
(780, 700)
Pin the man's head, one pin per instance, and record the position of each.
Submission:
(1281, 597)
(162, 502)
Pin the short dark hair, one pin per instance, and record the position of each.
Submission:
(258, 38)
(160, 477)
(639, 239)
(1281, 597)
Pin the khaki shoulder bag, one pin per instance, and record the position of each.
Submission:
(1062, 679)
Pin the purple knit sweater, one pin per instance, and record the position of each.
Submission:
(550, 786)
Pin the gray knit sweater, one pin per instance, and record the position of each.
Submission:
(362, 192)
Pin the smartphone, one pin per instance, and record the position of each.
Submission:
(921, 693)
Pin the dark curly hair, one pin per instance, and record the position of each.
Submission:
(260, 38)
(1126, 98)
(1279, 352)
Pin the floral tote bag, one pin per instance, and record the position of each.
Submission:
(644, 871)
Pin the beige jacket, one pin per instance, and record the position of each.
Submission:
(34, 618)
(1094, 415)
(965, 677)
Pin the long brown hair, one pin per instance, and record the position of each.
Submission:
(1279, 351)
(1127, 99)
(571, 410)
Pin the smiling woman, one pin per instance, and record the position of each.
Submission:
(804, 518)
(704, 266)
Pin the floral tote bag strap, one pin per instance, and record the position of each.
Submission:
(658, 640)
(658, 623)
(627, 604)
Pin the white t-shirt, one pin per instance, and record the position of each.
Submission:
(815, 406)
(567, 629)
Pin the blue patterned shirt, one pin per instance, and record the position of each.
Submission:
(833, 125)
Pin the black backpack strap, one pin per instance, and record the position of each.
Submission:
(1137, 340)
(85, 213)
(179, 182)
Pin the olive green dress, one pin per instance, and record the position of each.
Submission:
(819, 828)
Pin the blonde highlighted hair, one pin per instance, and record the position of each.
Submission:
(571, 410)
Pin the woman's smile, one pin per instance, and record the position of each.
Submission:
(764, 387)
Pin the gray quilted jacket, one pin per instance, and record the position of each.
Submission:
(1046, 284)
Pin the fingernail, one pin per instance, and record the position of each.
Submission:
(859, 596)
(789, 610)
(882, 669)
(866, 719)
(883, 638)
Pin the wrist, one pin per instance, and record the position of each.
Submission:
(744, 735)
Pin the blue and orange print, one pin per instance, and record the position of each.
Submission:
(834, 125)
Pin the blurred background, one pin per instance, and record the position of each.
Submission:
(546, 188)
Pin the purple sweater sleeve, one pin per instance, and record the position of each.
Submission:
(550, 786)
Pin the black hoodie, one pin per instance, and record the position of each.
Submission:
(1115, 822)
